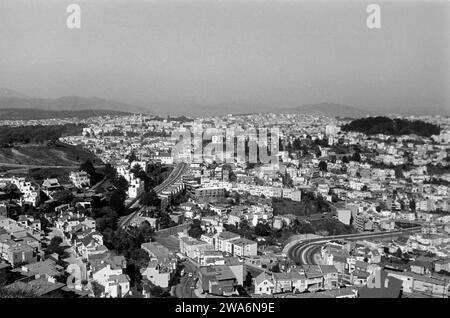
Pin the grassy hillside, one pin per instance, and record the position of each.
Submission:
(51, 154)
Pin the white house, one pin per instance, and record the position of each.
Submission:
(264, 284)
(80, 179)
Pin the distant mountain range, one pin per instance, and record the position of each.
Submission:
(11, 101)
(10, 93)
(73, 103)
(34, 113)
(17, 106)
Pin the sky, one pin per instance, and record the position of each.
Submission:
(277, 53)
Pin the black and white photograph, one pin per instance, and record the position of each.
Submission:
(224, 156)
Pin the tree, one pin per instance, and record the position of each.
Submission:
(131, 157)
(165, 221)
(412, 205)
(110, 172)
(63, 196)
(323, 166)
(142, 234)
(262, 229)
(297, 144)
(12, 191)
(398, 172)
(106, 219)
(136, 169)
(150, 199)
(117, 200)
(356, 157)
(55, 246)
(388, 126)
(120, 182)
(318, 152)
(88, 167)
(97, 289)
(195, 230)
(287, 180)
(302, 227)
(56, 240)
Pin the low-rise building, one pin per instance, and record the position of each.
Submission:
(80, 179)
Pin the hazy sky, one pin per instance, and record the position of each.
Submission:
(284, 53)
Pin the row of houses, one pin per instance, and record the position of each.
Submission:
(231, 243)
(297, 280)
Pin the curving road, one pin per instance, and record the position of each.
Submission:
(174, 176)
(185, 289)
(303, 252)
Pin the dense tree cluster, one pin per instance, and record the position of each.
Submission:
(195, 230)
(307, 146)
(36, 134)
(323, 166)
(156, 134)
(150, 199)
(55, 246)
(328, 226)
(117, 201)
(387, 126)
(116, 180)
(131, 157)
(308, 205)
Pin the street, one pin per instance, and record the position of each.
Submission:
(185, 289)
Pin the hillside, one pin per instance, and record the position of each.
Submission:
(39, 146)
(387, 126)
(10, 100)
(19, 135)
(10, 93)
(50, 154)
(35, 114)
